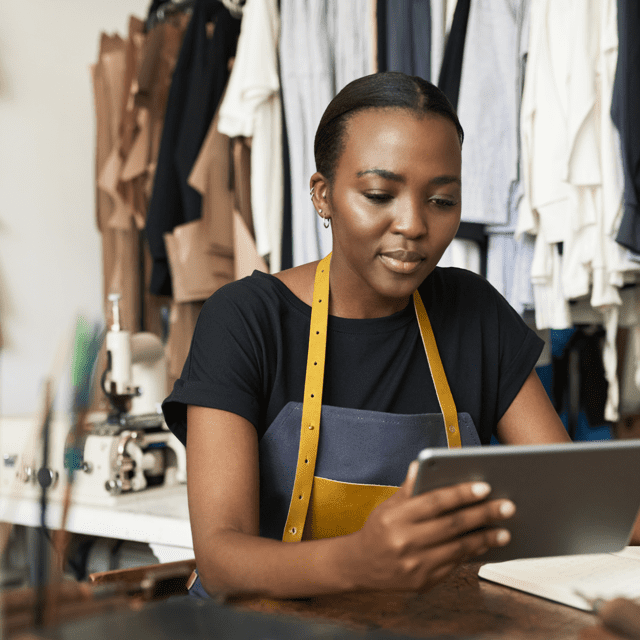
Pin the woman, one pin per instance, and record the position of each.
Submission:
(388, 154)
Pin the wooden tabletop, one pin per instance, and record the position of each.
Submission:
(463, 606)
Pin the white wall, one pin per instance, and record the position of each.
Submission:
(50, 252)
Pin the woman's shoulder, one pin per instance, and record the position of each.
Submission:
(300, 280)
(259, 295)
(460, 281)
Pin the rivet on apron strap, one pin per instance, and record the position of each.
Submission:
(312, 402)
(311, 406)
(447, 404)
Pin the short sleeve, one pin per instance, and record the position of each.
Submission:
(519, 350)
(223, 369)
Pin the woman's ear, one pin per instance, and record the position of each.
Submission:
(320, 194)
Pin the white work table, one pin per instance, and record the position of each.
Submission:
(157, 516)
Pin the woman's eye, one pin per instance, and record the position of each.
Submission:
(378, 197)
(443, 202)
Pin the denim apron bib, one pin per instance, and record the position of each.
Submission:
(324, 469)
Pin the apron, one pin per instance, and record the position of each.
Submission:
(320, 483)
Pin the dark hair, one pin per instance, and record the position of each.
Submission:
(388, 90)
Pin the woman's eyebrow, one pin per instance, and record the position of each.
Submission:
(390, 175)
(383, 173)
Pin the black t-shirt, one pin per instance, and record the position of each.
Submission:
(249, 351)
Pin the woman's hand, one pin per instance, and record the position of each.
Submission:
(413, 542)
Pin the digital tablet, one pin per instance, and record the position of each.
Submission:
(570, 498)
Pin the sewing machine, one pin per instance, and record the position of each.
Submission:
(128, 450)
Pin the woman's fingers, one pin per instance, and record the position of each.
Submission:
(454, 524)
(434, 504)
(410, 480)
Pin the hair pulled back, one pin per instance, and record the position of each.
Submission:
(388, 90)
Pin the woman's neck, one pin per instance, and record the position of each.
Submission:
(347, 300)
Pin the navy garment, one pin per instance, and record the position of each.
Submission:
(249, 351)
(625, 110)
(451, 69)
(407, 37)
(286, 255)
(197, 86)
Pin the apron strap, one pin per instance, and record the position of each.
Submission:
(311, 405)
(312, 402)
(447, 404)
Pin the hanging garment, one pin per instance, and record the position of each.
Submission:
(183, 317)
(451, 68)
(439, 30)
(246, 258)
(251, 108)
(200, 252)
(488, 108)
(286, 257)
(197, 85)
(508, 259)
(121, 177)
(408, 37)
(463, 254)
(159, 57)
(509, 267)
(107, 88)
(567, 154)
(315, 63)
(624, 111)
(573, 192)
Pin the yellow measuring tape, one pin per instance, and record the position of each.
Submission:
(312, 402)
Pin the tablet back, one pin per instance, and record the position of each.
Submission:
(570, 498)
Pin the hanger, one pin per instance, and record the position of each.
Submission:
(171, 7)
(166, 9)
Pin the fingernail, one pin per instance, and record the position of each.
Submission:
(507, 508)
(412, 472)
(503, 536)
(480, 489)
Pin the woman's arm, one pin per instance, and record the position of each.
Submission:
(531, 418)
(407, 542)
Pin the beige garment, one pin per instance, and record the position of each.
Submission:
(196, 269)
(182, 323)
(200, 252)
(158, 60)
(210, 176)
(246, 256)
(204, 254)
(222, 174)
(242, 179)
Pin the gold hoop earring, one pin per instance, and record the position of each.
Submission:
(327, 222)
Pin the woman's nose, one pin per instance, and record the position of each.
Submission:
(410, 219)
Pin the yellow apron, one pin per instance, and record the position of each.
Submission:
(322, 507)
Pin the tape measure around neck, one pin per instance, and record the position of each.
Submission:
(312, 402)
(311, 405)
(447, 404)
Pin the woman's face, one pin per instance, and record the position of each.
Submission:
(394, 202)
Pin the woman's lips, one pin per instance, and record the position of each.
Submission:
(401, 261)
